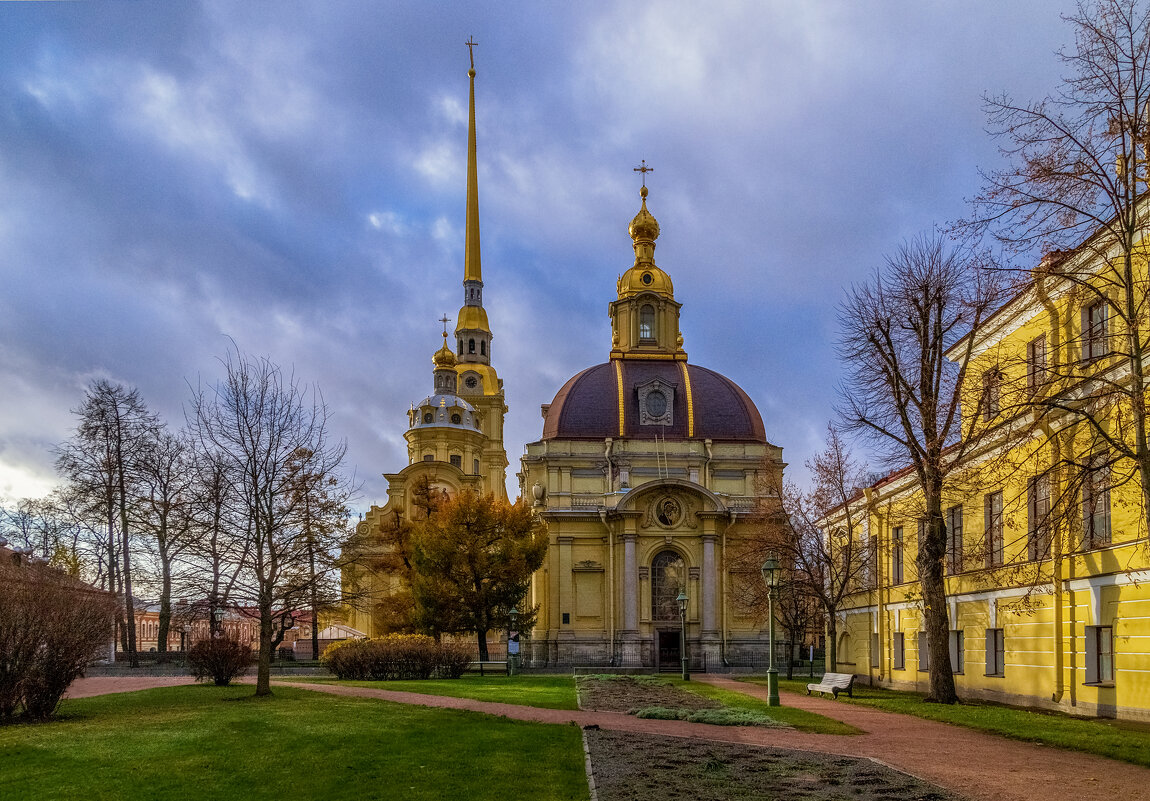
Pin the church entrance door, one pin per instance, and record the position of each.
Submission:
(669, 650)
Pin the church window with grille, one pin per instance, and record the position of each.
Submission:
(668, 579)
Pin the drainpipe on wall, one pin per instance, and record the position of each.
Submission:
(1058, 566)
(610, 582)
(723, 586)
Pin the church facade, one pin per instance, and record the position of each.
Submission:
(648, 472)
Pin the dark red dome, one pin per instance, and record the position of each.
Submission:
(705, 404)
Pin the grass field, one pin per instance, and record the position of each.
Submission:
(547, 691)
(205, 742)
(1123, 740)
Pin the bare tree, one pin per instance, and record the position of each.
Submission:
(905, 395)
(826, 563)
(163, 511)
(101, 462)
(260, 421)
(1078, 168)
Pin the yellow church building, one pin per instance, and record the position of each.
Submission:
(646, 473)
(1048, 572)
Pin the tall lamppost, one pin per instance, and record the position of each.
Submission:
(218, 616)
(513, 641)
(771, 579)
(682, 601)
(184, 631)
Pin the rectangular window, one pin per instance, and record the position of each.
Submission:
(991, 385)
(456, 460)
(898, 654)
(1036, 363)
(874, 651)
(475, 466)
(1096, 503)
(1099, 654)
(954, 539)
(1094, 331)
(923, 653)
(995, 652)
(993, 521)
(896, 556)
(1037, 518)
(957, 651)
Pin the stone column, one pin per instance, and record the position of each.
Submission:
(710, 585)
(630, 632)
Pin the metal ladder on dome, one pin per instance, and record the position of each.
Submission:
(661, 455)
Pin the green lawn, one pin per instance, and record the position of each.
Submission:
(1123, 740)
(799, 718)
(204, 742)
(547, 691)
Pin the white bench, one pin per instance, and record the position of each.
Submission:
(834, 683)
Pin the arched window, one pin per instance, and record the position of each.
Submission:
(647, 322)
(668, 579)
(482, 347)
(460, 347)
(471, 346)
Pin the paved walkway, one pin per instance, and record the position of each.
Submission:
(973, 764)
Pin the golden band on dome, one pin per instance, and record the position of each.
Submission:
(622, 406)
(690, 401)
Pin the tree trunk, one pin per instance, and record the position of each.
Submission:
(165, 600)
(264, 672)
(314, 600)
(482, 636)
(935, 618)
(831, 659)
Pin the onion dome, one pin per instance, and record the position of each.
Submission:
(644, 226)
(443, 358)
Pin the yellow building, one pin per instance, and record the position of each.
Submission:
(1048, 577)
(455, 434)
(646, 469)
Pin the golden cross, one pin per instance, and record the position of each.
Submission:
(644, 169)
(471, 43)
(445, 320)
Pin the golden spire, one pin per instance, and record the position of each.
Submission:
(472, 269)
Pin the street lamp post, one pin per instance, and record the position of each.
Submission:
(218, 616)
(513, 641)
(771, 579)
(682, 601)
(184, 630)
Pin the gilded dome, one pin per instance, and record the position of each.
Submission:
(443, 358)
(644, 226)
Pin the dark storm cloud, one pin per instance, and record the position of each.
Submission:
(290, 175)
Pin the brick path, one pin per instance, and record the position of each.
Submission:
(973, 764)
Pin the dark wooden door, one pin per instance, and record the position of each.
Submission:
(669, 649)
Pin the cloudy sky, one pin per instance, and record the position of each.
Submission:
(291, 175)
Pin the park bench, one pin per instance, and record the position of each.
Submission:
(489, 665)
(834, 683)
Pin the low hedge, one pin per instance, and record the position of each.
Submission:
(395, 657)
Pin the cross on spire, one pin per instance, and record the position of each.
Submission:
(644, 169)
(471, 43)
(445, 320)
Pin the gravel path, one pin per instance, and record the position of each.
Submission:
(972, 764)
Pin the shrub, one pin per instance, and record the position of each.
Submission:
(220, 658)
(716, 717)
(454, 657)
(396, 656)
(51, 628)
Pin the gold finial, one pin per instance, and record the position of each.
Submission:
(471, 43)
(644, 169)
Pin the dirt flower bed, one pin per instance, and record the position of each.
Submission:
(630, 693)
(647, 767)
